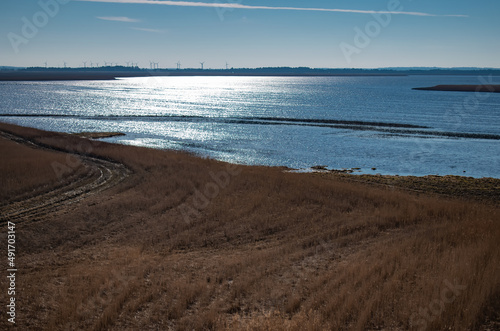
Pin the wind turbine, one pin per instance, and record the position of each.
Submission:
(45, 64)
(202, 63)
(97, 64)
(84, 64)
(178, 65)
(227, 66)
(157, 65)
(91, 64)
(64, 64)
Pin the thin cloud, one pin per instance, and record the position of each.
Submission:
(149, 30)
(118, 19)
(240, 6)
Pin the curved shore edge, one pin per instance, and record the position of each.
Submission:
(470, 187)
(401, 129)
(462, 88)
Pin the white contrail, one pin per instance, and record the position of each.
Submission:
(118, 19)
(149, 30)
(240, 6)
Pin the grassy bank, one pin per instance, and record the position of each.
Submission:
(189, 243)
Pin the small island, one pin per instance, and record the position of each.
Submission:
(462, 88)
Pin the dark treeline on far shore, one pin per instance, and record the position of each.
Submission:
(112, 72)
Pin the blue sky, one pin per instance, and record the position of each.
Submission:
(251, 33)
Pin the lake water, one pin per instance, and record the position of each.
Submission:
(298, 122)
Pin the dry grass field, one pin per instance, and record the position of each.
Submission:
(18, 161)
(186, 243)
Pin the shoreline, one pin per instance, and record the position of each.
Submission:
(354, 171)
(482, 188)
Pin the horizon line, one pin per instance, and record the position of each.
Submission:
(276, 67)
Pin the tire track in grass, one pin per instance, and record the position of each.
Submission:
(100, 176)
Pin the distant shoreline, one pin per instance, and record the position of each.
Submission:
(462, 88)
(110, 73)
